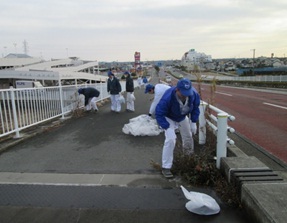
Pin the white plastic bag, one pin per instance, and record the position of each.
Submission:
(200, 203)
(133, 98)
(143, 125)
(122, 99)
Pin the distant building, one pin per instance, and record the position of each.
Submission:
(70, 70)
(14, 60)
(191, 59)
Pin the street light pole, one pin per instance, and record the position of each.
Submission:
(253, 61)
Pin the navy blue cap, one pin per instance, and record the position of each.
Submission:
(110, 73)
(185, 87)
(148, 88)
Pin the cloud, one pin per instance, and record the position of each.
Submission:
(160, 29)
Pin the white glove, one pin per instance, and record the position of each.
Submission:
(193, 127)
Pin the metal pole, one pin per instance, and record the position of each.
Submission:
(61, 97)
(202, 124)
(253, 61)
(221, 150)
(14, 113)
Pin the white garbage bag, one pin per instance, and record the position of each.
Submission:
(133, 98)
(122, 99)
(143, 125)
(200, 203)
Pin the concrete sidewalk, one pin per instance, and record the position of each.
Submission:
(86, 170)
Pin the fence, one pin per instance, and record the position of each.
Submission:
(219, 126)
(23, 108)
(263, 78)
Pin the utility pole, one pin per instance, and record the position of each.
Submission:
(15, 46)
(5, 47)
(25, 47)
(253, 61)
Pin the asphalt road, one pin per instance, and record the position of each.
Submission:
(260, 115)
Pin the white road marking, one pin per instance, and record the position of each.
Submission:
(277, 106)
(230, 95)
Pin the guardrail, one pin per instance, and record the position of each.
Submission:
(263, 78)
(219, 126)
(23, 108)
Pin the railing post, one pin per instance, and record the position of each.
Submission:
(221, 150)
(61, 98)
(15, 118)
(202, 124)
(101, 89)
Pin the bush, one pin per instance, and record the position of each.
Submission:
(199, 169)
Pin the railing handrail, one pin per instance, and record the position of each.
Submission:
(219, 126)
(258, 78)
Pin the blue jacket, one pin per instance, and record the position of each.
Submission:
(89, 92)
(114, 86)
(169, 107)
(129, 84)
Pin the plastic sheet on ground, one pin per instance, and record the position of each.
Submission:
(200, 203)
(142, 125)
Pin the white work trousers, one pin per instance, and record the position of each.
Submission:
(92, 104)
(130, 102)
(170, 140)
(115, 103)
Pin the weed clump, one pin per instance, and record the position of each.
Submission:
(199, 169)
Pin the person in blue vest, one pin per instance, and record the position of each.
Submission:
(91, 95)
(114, 88)
(177, 108)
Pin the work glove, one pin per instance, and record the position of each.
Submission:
(193, 127)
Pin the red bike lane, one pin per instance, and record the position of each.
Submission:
(260, 116)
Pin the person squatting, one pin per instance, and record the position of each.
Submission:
(91, 95)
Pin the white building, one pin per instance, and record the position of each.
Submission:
(72, 69)
(192, 58)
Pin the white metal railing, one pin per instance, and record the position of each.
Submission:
(23, 108)
(219, 126)
(263, 78)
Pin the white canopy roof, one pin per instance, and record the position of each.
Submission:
(55, 70)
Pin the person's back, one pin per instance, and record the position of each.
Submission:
(159, 90)
(91, 92)
(129, 89)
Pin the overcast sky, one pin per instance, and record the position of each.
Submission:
(112, 30)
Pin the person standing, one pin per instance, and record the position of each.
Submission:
(91, 95)
(114, 88)
(158, 91)
(130, 92)
(145, 81)
(172, 112)
(140, 82)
